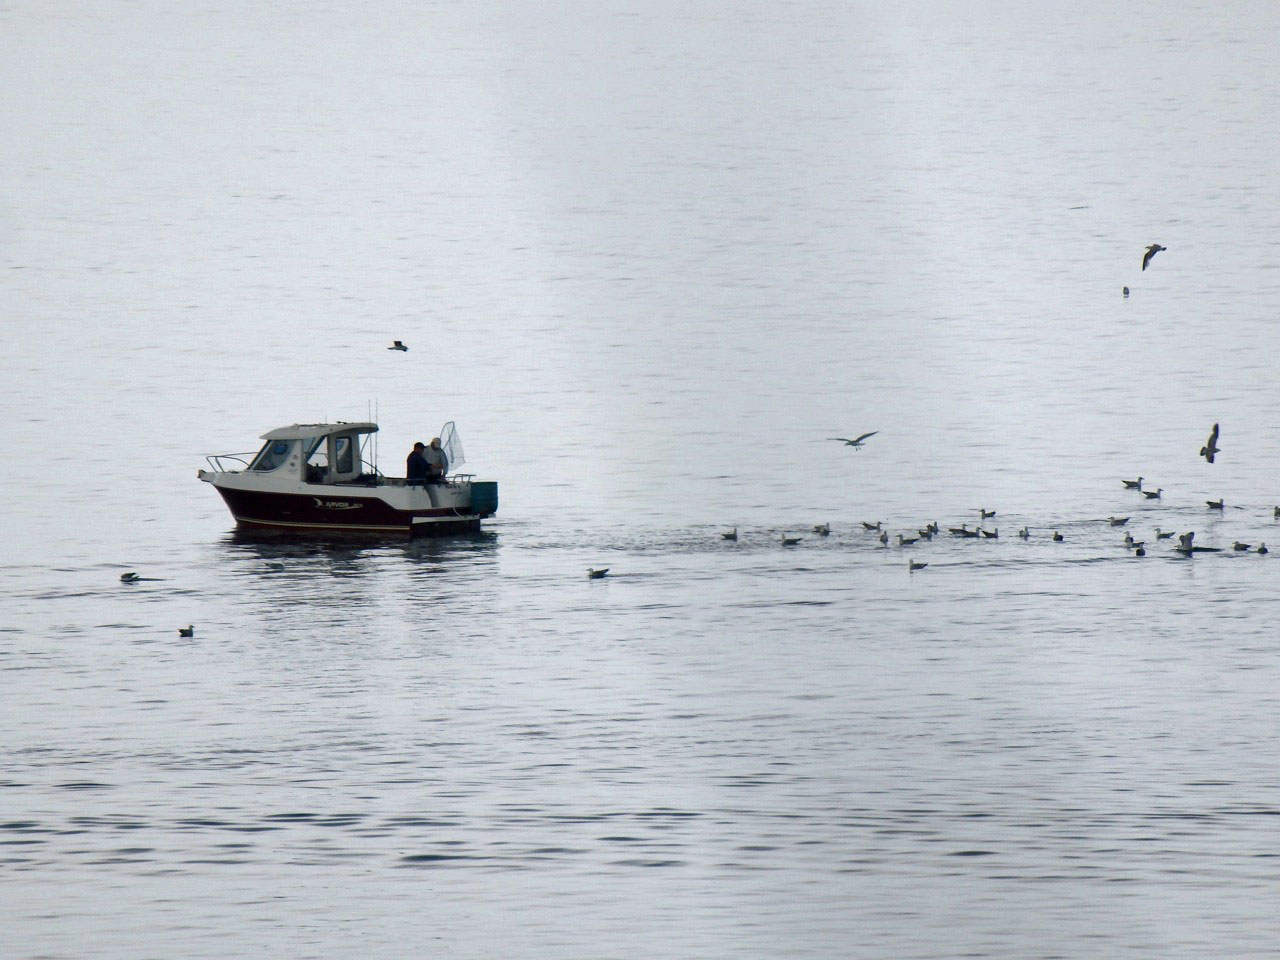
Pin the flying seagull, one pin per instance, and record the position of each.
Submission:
(1151, 252)
(856, 442)
(397, 345)
(1210, 449)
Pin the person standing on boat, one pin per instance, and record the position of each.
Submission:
(437, 462)
(416, 468)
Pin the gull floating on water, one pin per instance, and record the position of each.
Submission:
(1241, 546)
(790, 541)
(1133, 484)
(884, 537)
(397, 345)
(992, 534)
(1057, 537)
(984, 512)
(187, 631)
(1126, 291)
(1163, 536)
(904, 542)
(1214, 504)
(731, 535)
(1153, 494)
(1118, 521)
(129, 577)
(1024, 533)
(1211, 448)
(856, 442)
(870, 526)
(1262, 548)
(914, 565)
(593, 574)
(822, 529)
(1151, 252)
(1141, 551)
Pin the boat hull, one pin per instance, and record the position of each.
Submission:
(430, 510)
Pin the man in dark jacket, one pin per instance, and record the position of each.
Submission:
(416, 468)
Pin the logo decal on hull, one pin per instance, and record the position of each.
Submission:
(336, 504)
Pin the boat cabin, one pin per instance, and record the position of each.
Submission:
(314, 452)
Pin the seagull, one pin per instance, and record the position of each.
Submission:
(1024, 533)
(1118, 521)
(1262, 548)
(986, 513)
(1151, 252)
(129, 577)
(973, 534)
(856, 442)
(187, 631)
(1276, 511)
(275, 565)
(1057, 537)
(1214, 504)
(593, 574)
(1241, 546)
(960, 531)
(914, 565)
(1141, 551)
(1139, 545)
(397, 345)
(1126, 291)
(884, 537)
(1128, 539)
(1133, 484)
(1153, 495)
(1210, 449)
(731, 535)
(904, 542)
(823, 529)
(790, 541)
(1184, 541)
(990, 535)
(1163, 536)
(871, 526)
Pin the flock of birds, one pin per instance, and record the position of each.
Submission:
(1186, 542)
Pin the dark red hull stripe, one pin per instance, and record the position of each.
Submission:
(334, 512)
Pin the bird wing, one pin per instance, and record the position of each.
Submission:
(865, 435)
(841, 439)
(1213, 437)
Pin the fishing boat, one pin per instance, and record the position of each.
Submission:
(321, 477)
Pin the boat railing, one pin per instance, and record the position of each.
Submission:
(216, 462)
(454, 480)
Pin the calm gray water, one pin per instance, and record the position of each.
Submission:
(649, 257)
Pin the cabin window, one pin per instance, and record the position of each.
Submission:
(343, 461)
(273, 455)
